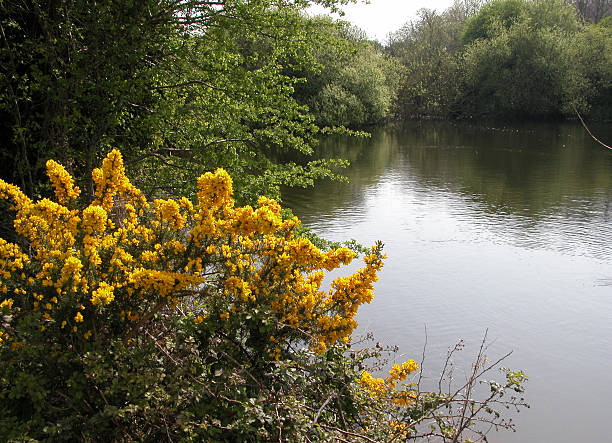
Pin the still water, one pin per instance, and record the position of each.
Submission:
(505, 229)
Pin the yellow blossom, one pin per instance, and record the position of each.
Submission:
(63, 183)
(123, 252)
(103, 295)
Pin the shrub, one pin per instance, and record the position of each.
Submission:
(168, 320)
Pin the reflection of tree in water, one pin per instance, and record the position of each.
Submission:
(518, 172)
(527, 170)
(536, 178)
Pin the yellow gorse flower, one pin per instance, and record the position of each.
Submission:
(386, 387)
(103, 295)
(132, 258)
(62, 181)
(399, 373)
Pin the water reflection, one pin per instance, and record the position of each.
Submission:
(547, 185)
(503, 229)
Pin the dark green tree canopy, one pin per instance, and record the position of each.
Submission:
(506, 58)
(167, 82)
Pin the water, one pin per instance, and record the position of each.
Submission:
(505, 229)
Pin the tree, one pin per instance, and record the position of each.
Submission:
(593, 10)
(592, 57)
(161, 81)
(429, 47)
(351, 83)
(517, 60)
(495, 15)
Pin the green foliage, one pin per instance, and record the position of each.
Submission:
(75, 79)
(521, 72)
(353, 84)
(591, 53)
(508, 58)
(500, 14)
(519, 62)
(179, 87)
(429, 49)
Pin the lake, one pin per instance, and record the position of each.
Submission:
(488, 227)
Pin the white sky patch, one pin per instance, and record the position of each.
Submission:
(380, 17)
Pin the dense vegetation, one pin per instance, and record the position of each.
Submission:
(141, 320)
(178, 86)
(181, 86)
(165, 307)
(507, 58)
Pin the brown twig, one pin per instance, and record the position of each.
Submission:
(352, 434)
(587, 130)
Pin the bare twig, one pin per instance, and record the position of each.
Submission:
(422, 362)
(587, 130)
(352, 434)
(323, 407)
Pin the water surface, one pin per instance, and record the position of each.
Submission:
(504, 229)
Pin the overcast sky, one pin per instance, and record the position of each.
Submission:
(383, 16)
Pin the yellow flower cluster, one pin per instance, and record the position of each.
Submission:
(399, 373)
(385, 387)
(135, 258)
(403, 398)
(169, 212)
(215, 190)
(111, 180)
(238, 287)
(12, 260)
(103, 295)
(399, 428)
(376, 387)
(63, 183)
(94, 220)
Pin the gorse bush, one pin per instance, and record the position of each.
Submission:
(168, 320)
(109, 268)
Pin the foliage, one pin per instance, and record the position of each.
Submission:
(167, 82)
(144, 321)
(491, 17)
(506, 58)
(352, 83)
(520, 72)
(519, 62)
(592, 56)
(500, 15)
(429, 49)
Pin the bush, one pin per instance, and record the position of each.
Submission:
(165, 320)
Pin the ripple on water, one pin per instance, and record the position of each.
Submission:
(506, 230)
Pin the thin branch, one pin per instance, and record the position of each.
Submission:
(145, 318)
(587, 129)
(178, 364)
(189, 83)
(323, 407)
(352, 434)
(422, 361)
